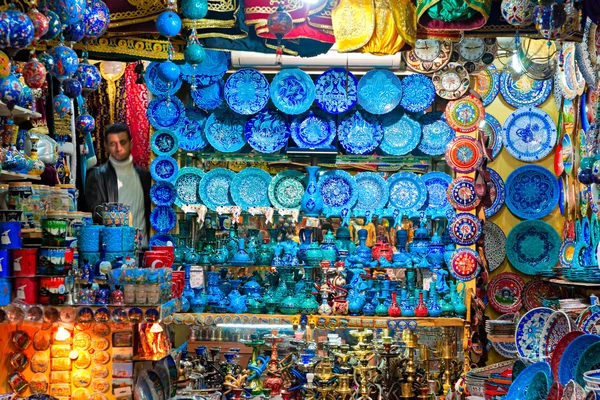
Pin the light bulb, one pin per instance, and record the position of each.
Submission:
(516, 63)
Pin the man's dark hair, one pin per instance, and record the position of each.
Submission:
(117, 127)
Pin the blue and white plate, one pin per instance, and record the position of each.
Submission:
(379, 91)
(492, 128)
(529, 134)
(292, 91)
(533, 247)
(570, 357)
(267, 132)
(287, 189)
(224, 131)
(488, 84)
(336, 90)
(528, 332)
(250, 188)
(209, 97)
(465, 229)
(373, 191)
(164, 142)
(247, 91)
(360, 132)
(187, 184)
(162, 239)
(163, 218)
(164, 168)
(214, 188)
(191, 132)
(419, 93)
(165, 112)
(436, 133)
(313, 130)
(209, 71)
(437, 185)
(529, 377)
(157, 86)
(407, 191)
(163, 193)
(401, 133)
(525, 92)
(532, 192)
(497, 192)
(338, 190)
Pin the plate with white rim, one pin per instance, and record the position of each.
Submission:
(528, 332)
(214, 188)
(186, 185)
(250, 188)
(407, 191)
(338, 190)
(529, 134)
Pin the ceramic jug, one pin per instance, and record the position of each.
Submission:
(434, 308)
(328, 250)
(394, 308)
(344, 244)
(305, 236)
(421, 308)
(312, 202)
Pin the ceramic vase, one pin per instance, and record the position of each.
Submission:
(421, 308)
(312, 202)
(394, 308)
(328, 249)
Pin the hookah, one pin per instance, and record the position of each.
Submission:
(387, 350)
(234, 376)
(343, 388)
(363, 352)
(324, 378)
(255, 369)
(274, 382)
(425, 356)
(411, 341)
(447, 350)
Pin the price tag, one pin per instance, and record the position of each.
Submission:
(196, 277)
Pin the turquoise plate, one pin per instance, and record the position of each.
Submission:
(407, 191)
(571, 356)
(187, 184)
(292, 91)
(401, 133)
(214, 188)
(533, 246)
(287, 189)
(250, 188)
(379, 91)
(164, 142)
(373, 191)
(518, 389)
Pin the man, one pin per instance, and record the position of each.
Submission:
(119, 181)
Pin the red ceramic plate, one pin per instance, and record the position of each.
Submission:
(536, 291)
(464, 154)
(504, 292)
(465, 264)
(559, 350)
(465, 114)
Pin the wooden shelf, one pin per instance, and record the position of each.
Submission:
(18, 113)
(6, 176)
(571, 283)
(501, 339)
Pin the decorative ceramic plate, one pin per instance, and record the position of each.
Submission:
(267, 131)
(465, 114)
(338, 190)
(157, 86)
(313, 130)
(436, 133)
(287, 189)
(492, 128)
(336, 90)
(164, 142)
(163, 218)
(437, 186)
(571, 356)
(187, 184)
(506, 349)
(494, 244)
(379, 91)
(465, 229)
(250, 188)
(571, 81)
(589, 361)
(165, 112)
(209, 71)
(247, 91)
(224, 130)
(487, 84)
(532, 192)
(586, 54)
(586, 230)
(164, 168)
(373, 191)
(532, 246)
(451, 82)
(560, 349)
(360, 132)
(556, 327)
(214, 188)
(528, 331)
(407, 191)
(464, 154)
(401, 133)
(209, 97)
(191, 132)
(524, 92)
(520, 385)
(163, 193)
(504, 292)
(162, 239)
(529, 134)
(465, 264)
(419, 93)
(292, 91)
(497, 193)
(536, 291)
(461, 194)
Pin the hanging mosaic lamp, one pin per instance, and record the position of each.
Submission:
(34, 73)
(40, 23)
(10, 90)
(4, 65)
(280, 23)
(69, 11)
(72, 88)
(168, 71)
(54, 25)
(85, 123)
(75, 32)
(89, 77)
(194, 9)
(168, 24)
(16, 30)
(517, 13)
(96, 18)
(65, 62)
(61, 104)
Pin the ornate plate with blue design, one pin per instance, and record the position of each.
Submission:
(163, 218)
(157, 86)
(360, 132)
(465, 229)
(224, 131)
(487, 84)
(465, 114)
(209, 97)
(532, 192)
(292, 91)
(247, 91)
(338, 190)
(379, 91)
(533, 246)
(214, 188)
(250, 188)
(164, 142)
(437, 185)
(165, 113)
(267, 132)
(164, 168)
(336, 90)
(401, 133)
(287, 188)
(163, 193)
(436, 133)
(187, 184)
(407, 191)
(313, 130)
(161, 239)
(191, 132)
(524, 92)
(529, 134)
(571, 356)
(528, 332)
(462, 195)
(209, 71)
(497, 192)
(419, 93)
(492, 128)
(373, 191)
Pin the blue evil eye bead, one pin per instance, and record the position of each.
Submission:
(72, 88)
(54, 25)
(74, 32)
(16, 29)
(96, 18)
(85, 123)
(168, 24)
(168, 71)
(65, 62)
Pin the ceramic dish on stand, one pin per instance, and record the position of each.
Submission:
(187, 184)
(287, 189)
(214, 188)
(338, 190)
(407, 191)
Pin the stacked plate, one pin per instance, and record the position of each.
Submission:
(573, 305)
(477, 378)
(592, 381)
(500, 328)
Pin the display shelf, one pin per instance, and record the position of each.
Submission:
(501, 339)
(6, 176)
(571, 283)
(18, 112)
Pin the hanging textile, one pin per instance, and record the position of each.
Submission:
(385, 39)
(137, 102)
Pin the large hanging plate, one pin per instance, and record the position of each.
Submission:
(247, 91)
(529, 134)
(532, 192)
(379, 91)
(292, 91)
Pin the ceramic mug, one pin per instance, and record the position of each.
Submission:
(156, 259)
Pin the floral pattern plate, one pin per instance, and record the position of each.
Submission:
(247, 91)
(373, 191)
(214, 188)
(556, 327)
(313, 130)
(292, 91)
(336, 90)
(163, 218)
(267, 131)
(165, 112)
(532, 192)
(224, 131)
(338, 190)
(465, 114)
(461, 194)
(209, 71)
(527, 333)
(250, 188)
(465, 229)
(164, 168)
(187, 184)
(437, 186)
(532, 247)
(494, 245)
(436, 133)
(487, 84)
(163, 193)
(407, 191)
(497, 192)
(504, 292)
(191, 132)
(529, 134)
(164, 142)
(401, 133)
(287, 189)
(419, 93)
(157, 86)
(570, 79)
(465, 264)
(161, 239)
(209, 97)
(492, 128)
(464, 154)
(536, 291)
(360, 133)
(571, 356)
(379, 91)
(524, 92)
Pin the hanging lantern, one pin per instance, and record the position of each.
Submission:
(85, 123)
(194, 9)
(89, 77)
(517, 13)
(65, 62)
(69, 11)
(16, 30)
(34, 73)
(280, 23)
(97, 19)
(75, 32)
(61, 104)
(10, 90)
(54, 25)
(168, 71)
(40, 23)
(168, 24)
(26, 98)
(4, 65)
(72, 88)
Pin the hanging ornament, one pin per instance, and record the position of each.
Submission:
(61, 104)
(26, 98)
(72, 88)
(4, 65)
(75, 32)
(194, 9)
(69, 11)
(54, 25)
(65, 62)
(168, 71)
(89, 77)
(16, 30)
(34, 73)
(96, 18)
(47, 60)
(40, 23)
(85, 123)
(10, 91)
(168, 24)
(280, 23)
(517, 13)
(194, 53)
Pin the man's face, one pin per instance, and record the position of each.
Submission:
(119, 145)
